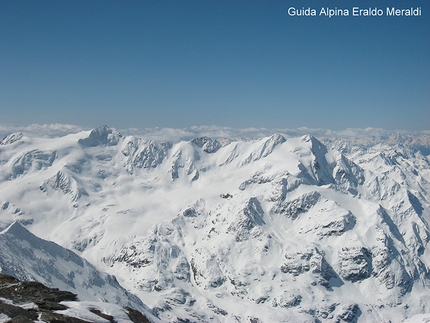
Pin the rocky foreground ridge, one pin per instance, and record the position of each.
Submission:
(23, 302)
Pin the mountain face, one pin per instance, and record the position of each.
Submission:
(29, 258)
(271, 230)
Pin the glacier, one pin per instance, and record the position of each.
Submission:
(279, 228)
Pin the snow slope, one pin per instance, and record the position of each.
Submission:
(276, 229)
(29, 258)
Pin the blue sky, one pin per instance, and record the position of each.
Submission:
(230, 63)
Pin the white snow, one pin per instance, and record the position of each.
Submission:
(419, 318)
(4, 318)
(277, 228)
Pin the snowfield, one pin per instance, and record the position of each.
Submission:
(275, 229)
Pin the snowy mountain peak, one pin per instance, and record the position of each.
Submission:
(207, 144)
(17, 230)
(275, 229)
(101, 136)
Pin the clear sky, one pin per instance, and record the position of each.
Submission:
(233, 63)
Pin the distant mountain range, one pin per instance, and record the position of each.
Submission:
(223, 229)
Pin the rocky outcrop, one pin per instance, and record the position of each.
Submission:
(207, 144)
(29, 258)
(317, 166)
(34, 160)
(249, 218)
(337, 224)
(313, 261)
(65, 184)
(257, 178)
(206, 270)
(102, 136)
(347, 175)
(355, 263)
(150, 154)
(34, 302)
(349, 314)
(292, 209)
(10, 139)
(287, 300)
(265, 149)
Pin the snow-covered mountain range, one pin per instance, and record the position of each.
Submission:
(276, 229)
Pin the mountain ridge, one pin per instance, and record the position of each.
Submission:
(283, 226)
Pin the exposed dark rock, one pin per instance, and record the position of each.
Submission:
(347, 175)
(257, 178)
(103, 136)
(297, 263)
(265, 149)
(179, 320)
(151, 155)
(20, 319)
(46, 300)
(218, 310)
(319, 168)
(35, 292)
(51, 306)
(35, 159)
(190, 213)
(287, 300)
(66, 183)
(250, 217)
(58, 318)
(292, 209)
(10, 139)
(207, 144)
(349, 314)
(105, 316)
(327, 311)
(355, 263)
(136, 316)
(337, 226)
(15, 311)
